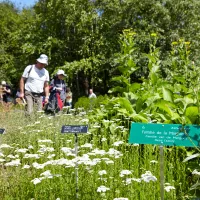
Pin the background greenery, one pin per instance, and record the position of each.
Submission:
(82, 36)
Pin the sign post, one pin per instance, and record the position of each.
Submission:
(162, 178)
(165, 135)
(75, 129)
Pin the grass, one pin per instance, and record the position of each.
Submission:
(39, 162)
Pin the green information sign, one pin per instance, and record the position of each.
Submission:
(165, 134)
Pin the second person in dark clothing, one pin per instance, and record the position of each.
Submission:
(57, 90)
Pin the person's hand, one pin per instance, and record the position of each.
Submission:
(21, 95)
(46, 100)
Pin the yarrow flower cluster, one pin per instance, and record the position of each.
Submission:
(125, 172)
(87, 145)
(195, 172)
(168, 188)
(147, 177)
(116, 144)
(102, 172)
(14, 163)
(44, 175)
(102, 188)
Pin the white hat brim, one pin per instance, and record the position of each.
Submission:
(42, 61)
(62, 74)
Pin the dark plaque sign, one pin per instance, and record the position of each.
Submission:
(2, 130)
(74, 129)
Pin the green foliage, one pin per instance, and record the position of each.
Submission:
(89, 104)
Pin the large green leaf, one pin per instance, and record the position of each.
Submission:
(167, 94)
(166, 107)
(125, 103)
(192, 113)
(150, 100)
(134, 87)
(138, 118)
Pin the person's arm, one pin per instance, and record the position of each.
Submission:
(46, 91)
(51, 86)
(25, 75)
(21, 86)
(8, 91)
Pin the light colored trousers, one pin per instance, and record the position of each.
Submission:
(34, 102)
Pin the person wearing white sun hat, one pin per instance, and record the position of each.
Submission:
(34, 82)
(57, 92)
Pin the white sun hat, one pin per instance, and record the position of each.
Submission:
(43, 59)
(61, 72)
(3, 83)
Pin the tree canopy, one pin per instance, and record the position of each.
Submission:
(82, 36)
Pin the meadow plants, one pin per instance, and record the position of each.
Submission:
(38, 162)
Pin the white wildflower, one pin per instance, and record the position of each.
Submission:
(30, 147)
(51, 156)
(127, 181)
(21, 150)
(195, 172)
(147, 177)
(5, 146)
(102, 172)
(38, 166)
(36, 156)
(120, 198)
(1, 154)
(153, 161)
(168, 188)
(47, 174)
(136, 180)
(2, 160)
(116, 144)
(103, 139)
(13, 163)
(115, 153)
(96, 126)
(26, 167)
(87, 145)
(35, 181)
(85, 120)
(120, 127)
(109, 162)
(66, 150)
(125, 172)
(45, 141)
(11, 156)
(98, 152)
(45, 149)
(102, 188)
